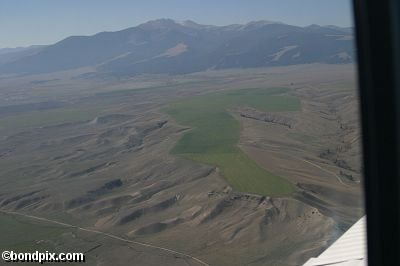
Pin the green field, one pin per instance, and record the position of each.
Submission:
(215, 134)
(21, 236)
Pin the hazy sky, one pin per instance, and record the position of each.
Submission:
(27, 22)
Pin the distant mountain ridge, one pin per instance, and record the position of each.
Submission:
(12, 54)
(165, 46)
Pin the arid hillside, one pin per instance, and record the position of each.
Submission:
(95, 153)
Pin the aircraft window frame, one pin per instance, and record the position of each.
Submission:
(377, 38)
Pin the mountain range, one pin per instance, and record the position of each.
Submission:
(165, 46)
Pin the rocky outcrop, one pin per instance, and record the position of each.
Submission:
(273, 118)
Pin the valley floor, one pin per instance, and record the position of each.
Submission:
(99, 165)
